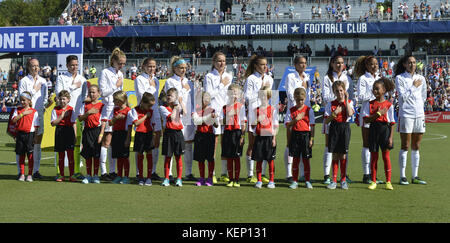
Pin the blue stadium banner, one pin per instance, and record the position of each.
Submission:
(57, 39)
(309, 70)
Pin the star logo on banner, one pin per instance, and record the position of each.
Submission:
(295, 28)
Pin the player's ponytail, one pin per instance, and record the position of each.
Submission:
(116, 55)
(361, 66)
(252, 62)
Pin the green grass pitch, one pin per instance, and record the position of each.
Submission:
(49, 201)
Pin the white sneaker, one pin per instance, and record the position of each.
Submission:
(30, 178)
(22, 177)
(148, 182)
(271, 185)
(258, 184)
(308, 185)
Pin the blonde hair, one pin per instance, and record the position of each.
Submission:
(173, 60)
(116, 55)
(64, 93)
(300, 92)
(337, 84)
(121, 96)
(267, 91)
(215, 57)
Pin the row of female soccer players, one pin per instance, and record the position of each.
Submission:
(218, 81)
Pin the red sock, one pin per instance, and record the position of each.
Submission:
(140, 165)
(373, 165)
(126, 166)
(89, 166)
(230, 168)
(22, 164)
(61, 157)
(335, 164)
(210, 169)
(179, 166)
(201, 169)
(71, 159)
(30, 163)
(149, 164)
(259, 170)
(119, 167)
(237, 168)
(387, 165)
(343, 169)
(271, 170)
(96, 165)
(295, 164)
(166, 167)
(307, 169)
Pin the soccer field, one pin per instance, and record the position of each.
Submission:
(49, 201)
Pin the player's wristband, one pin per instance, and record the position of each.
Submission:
(379, 114)
(21, 115)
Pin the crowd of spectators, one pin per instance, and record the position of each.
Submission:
(91, 12)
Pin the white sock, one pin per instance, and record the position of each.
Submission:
(288, 163)
(17, 162)
(326, 161)
(103, 156)
(155, 157)
(402, 157)
(224, 167)
(365, 158)
(112, 162)
(170, 167)
(188, 156)
(301, 167)
(415, 158)
(36, 157)
(250, 165)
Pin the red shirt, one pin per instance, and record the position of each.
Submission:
(121, 124)
(92, 120)
(67, 120)
(27, 123)
(136, 114)
(233, 122)
(342, 116)
(265, 127)
(205, 128)
(176, 124)
(304, 124)
(374, 106)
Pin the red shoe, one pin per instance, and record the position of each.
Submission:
(71, 179)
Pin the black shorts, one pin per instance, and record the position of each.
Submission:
(91, 148)
(339, 137)
(143, 142)
(204, 144)
(299, 145)
(263, 149)
(379, 133)
(24, 143)
(173, 143)
(118, 145)
(231, 147)
(64, 138)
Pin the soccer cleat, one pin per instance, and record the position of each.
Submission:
(344, 185)
(224, 178)
(171, 179)
(366, 179)
(258, 184)
(155, 177)
(86, 180)
(148, 182)
(112, 175)
(403, 181)
(271, 185)
(30, 178)
(301, 179)
(73, 178)
(252, 179)
(230, 184)
(347, 179)
(373, 185)
(126, 180)
(293, 185)
(200, 182)
(105, 177)
(22, 177)
(140, 182)
(179, 183)
(117, 180)
(209, 182)
(95, 179)
(78, 176)
(308, 185)
(214, 180)
(37, 175)
(389, 186)
(290, 179)
(417, 180)
(59, 178)
(264, 179)
(326, 180)
(236, 184)
(166, 182)
(332, 185)
(190, 177)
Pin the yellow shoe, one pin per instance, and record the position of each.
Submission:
(236, 184)
(265, 179)
(372, 185)
(389, 186)
(252, 179)
(224, 178)
(214, 179)
(230, 184)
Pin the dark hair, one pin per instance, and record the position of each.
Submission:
(387, 84)
(71, 58)
(330, 67)
(254, 59)
(399, 68)
(147, 60)
(297, 59)
(147, 98)
(64, 93)
(361, 65)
